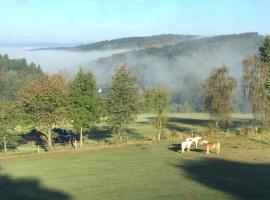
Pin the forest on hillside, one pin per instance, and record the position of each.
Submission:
(13, 73)
(183, 66)
(135, 42)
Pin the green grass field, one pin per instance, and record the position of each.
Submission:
(141, 171)
(145, 169)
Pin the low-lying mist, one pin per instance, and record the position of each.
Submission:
(52, 61)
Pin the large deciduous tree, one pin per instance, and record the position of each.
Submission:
(218, 89)
(157, 100)
(123, 99)
(256, 82)
(46, 102)
(84, 102)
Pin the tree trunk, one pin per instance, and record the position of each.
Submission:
(81, 138)
(5, 148)
(119, 134)
(49, 139)
(217, 123)
(159, 129)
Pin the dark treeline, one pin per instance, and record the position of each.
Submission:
(13, 73)
(135, 42)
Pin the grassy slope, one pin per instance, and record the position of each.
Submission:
(153, 171)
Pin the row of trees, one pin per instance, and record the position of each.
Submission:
(50, 101)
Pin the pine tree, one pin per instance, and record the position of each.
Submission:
(123, 99)
(84, 102)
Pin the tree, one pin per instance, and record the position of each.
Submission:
(256, 82)
(123, 99)
(265, 58)
(7, 124)
(157, 100)
(218, 89)
(84, 102)
(46, 102)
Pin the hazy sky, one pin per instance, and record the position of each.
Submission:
(92, 20)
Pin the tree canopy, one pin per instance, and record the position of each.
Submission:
(219, 89)
(123, 99)
(84, 101)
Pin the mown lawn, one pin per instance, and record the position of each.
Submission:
(141, 171)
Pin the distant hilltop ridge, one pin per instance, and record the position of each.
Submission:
(135, 42)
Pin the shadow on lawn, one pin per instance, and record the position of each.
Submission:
(27, 189)
(198, 122)
(99, 134)
(176, 147)
(244, 180)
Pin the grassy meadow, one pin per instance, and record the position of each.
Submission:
(143, 168)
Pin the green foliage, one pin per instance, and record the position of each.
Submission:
(265, 50)
(8, 122)
(13, 73)
(265, 58)
(46, 102)
(123, 99)
(157, 100)
(219, 88)
(84, 100)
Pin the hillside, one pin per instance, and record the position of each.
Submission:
(135, 42)
(183, 66)
(13, 72)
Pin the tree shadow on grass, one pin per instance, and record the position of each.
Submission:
(175, 127)
(244, 180)
(199, 122)
(27, 189)
(131, 132)
(99, 134)
(176, 147)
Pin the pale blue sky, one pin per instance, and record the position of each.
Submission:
(93, 20)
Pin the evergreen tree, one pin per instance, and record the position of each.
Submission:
(84, 102)
(265, 59)
(157, 100)
(218, 89)
(123, 99)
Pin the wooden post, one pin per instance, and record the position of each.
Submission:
(5, 148)
(75, 144)
(81, 138)
(49, 138)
